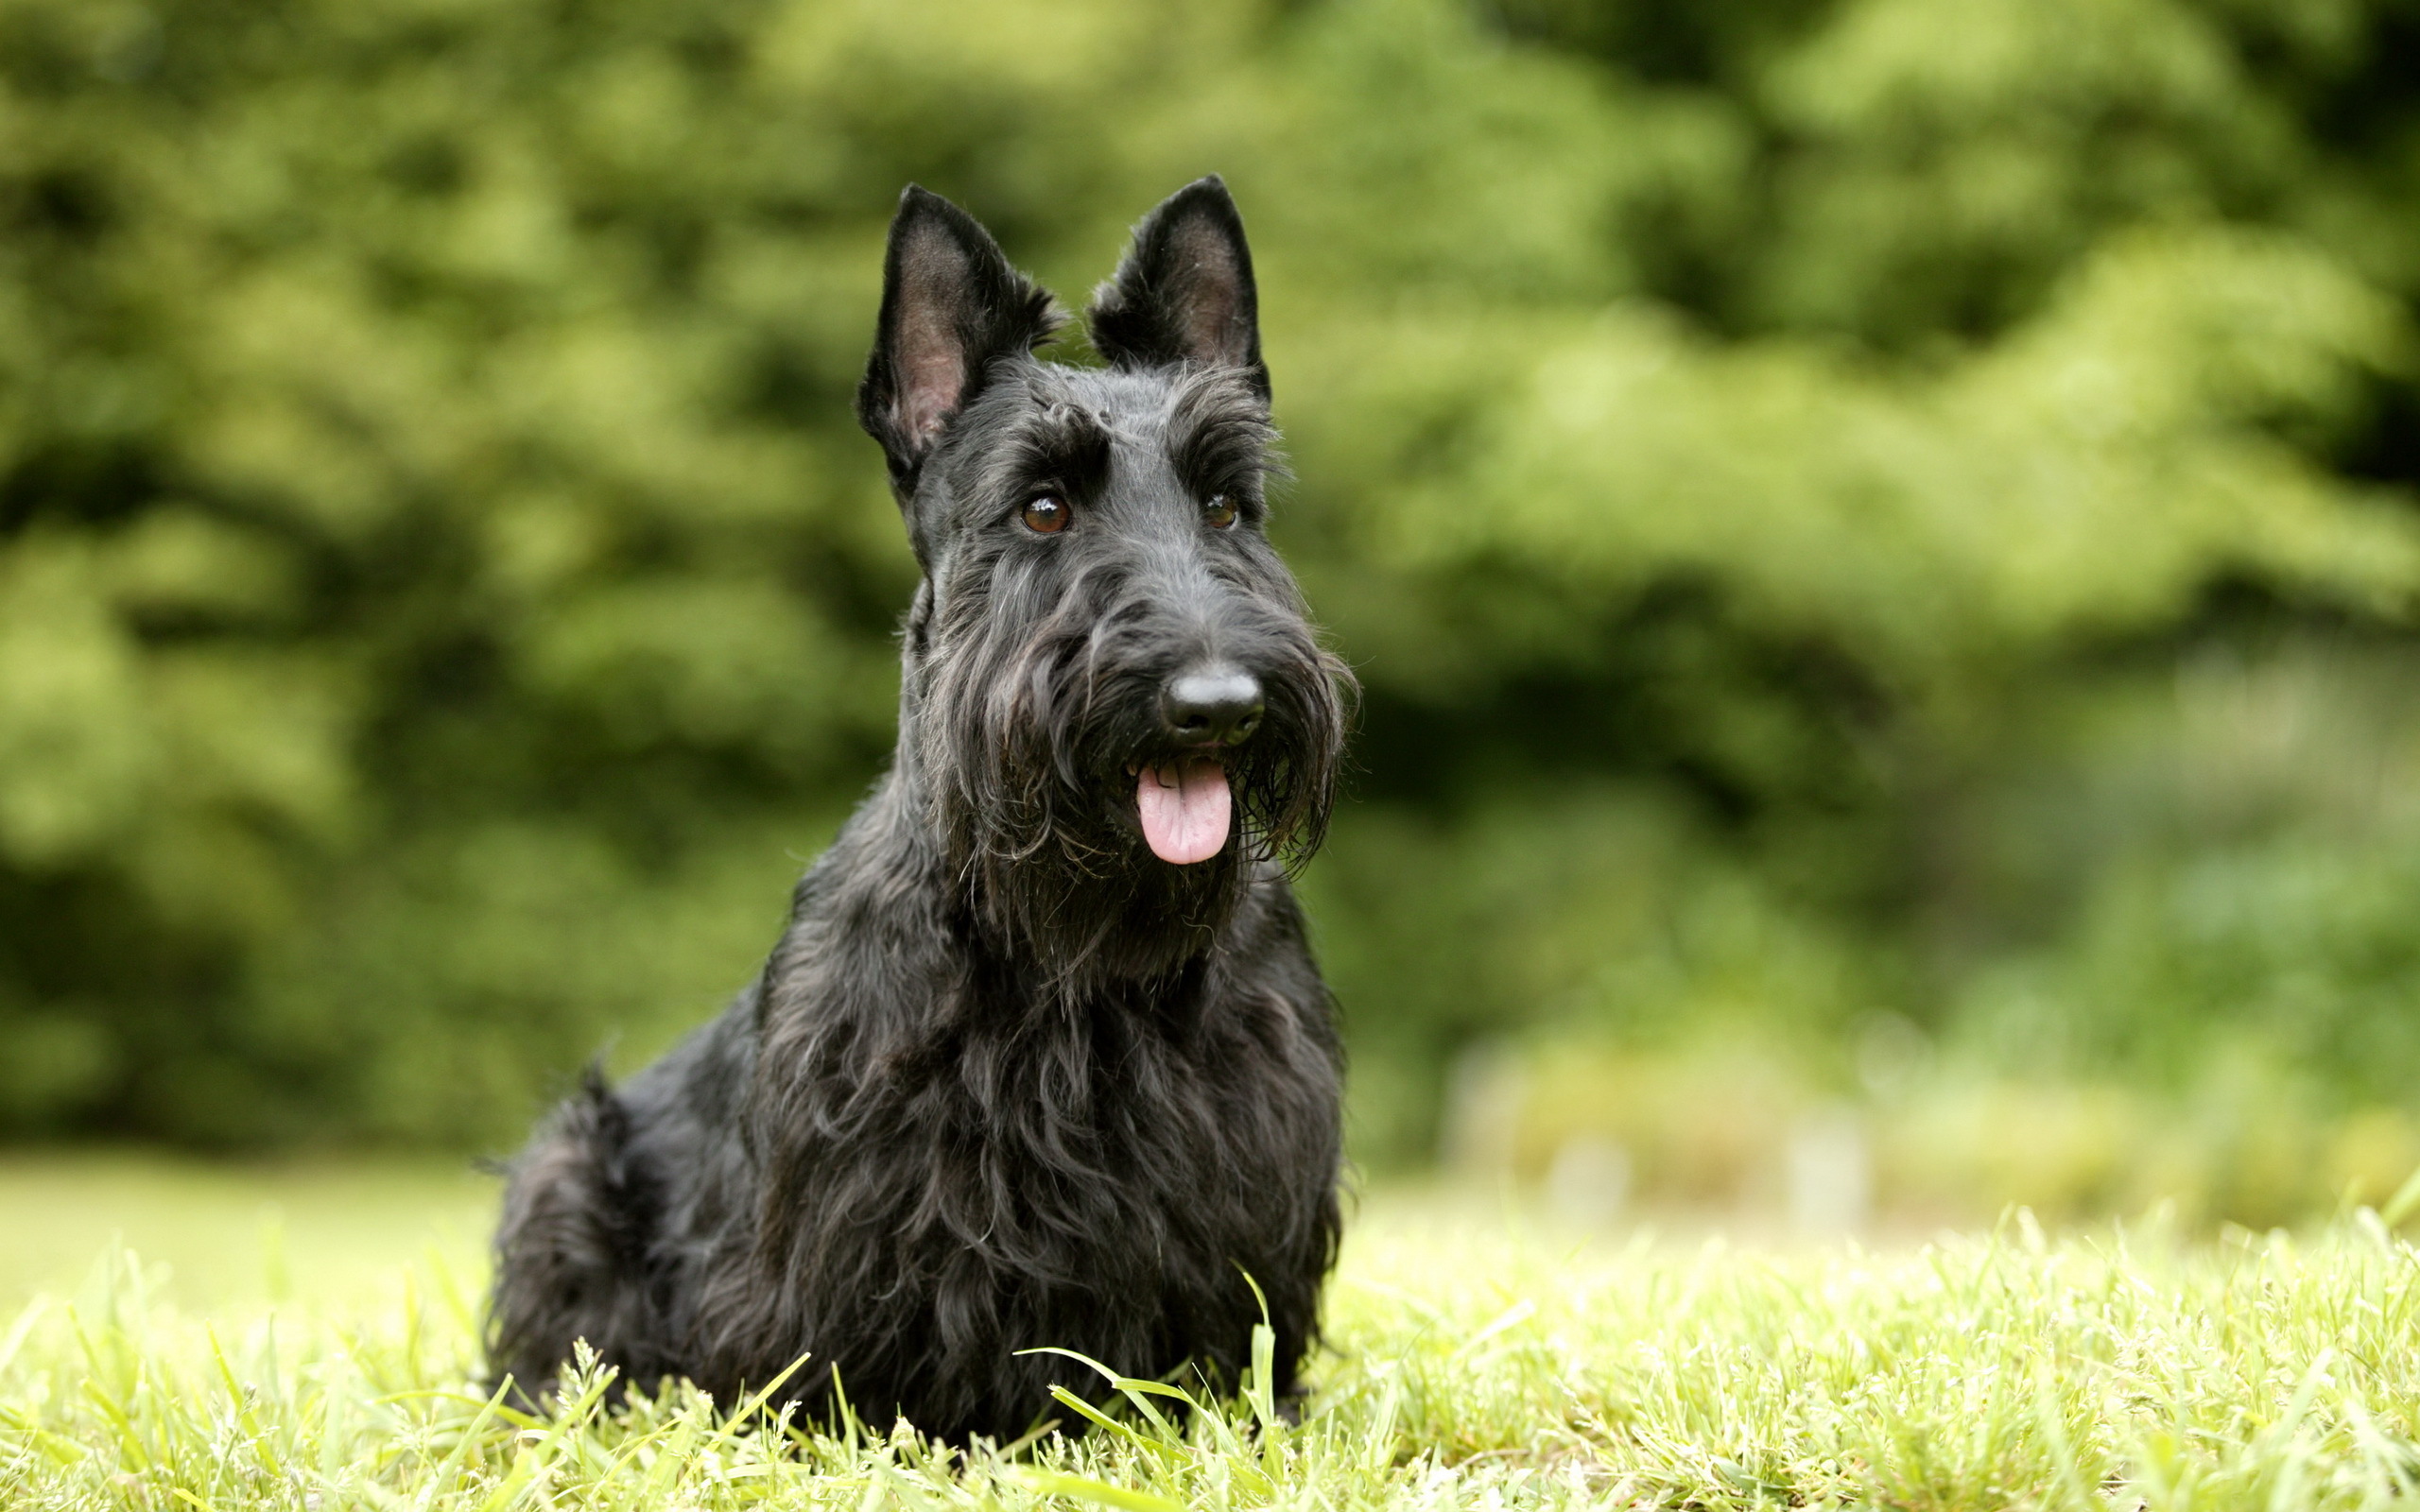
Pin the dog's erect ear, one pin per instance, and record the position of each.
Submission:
(951, 306)
(1185, 291)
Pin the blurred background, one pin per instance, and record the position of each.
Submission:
(1879, 537)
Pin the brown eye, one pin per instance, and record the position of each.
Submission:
(1219, 511)
(1045, 516)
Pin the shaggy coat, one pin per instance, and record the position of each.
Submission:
(1008, 1079)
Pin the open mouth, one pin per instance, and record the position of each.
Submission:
(1186, 808)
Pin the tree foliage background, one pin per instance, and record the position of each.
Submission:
(1849, 513)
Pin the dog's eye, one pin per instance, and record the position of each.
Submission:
(1218, 511)
(1045, 516)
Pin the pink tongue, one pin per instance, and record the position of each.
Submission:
(1184, 810)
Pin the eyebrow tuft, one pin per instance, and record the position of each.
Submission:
(1218, 435)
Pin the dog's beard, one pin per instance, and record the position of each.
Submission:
(1033, 769)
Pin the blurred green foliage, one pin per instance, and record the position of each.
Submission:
(1843, 508)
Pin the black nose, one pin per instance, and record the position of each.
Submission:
(1217, 706)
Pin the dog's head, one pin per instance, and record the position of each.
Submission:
(1109, 669)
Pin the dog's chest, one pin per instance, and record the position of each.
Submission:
(1014, 1139)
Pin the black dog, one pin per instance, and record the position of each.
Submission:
(1042, 1058)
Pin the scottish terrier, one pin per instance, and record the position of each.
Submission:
(1042, 1058)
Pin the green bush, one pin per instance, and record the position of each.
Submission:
(1767, 462)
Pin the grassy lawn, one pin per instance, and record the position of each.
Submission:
(215, 1235)
(1473, 1364)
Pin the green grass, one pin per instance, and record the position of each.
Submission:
(217, 1234)
(1473, 1364)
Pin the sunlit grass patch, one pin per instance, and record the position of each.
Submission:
(1466, 1367)
(232, 1233)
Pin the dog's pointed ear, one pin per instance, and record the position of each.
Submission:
(951, 306)
(1185, 291)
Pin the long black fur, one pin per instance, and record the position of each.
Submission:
(1008, 1080)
